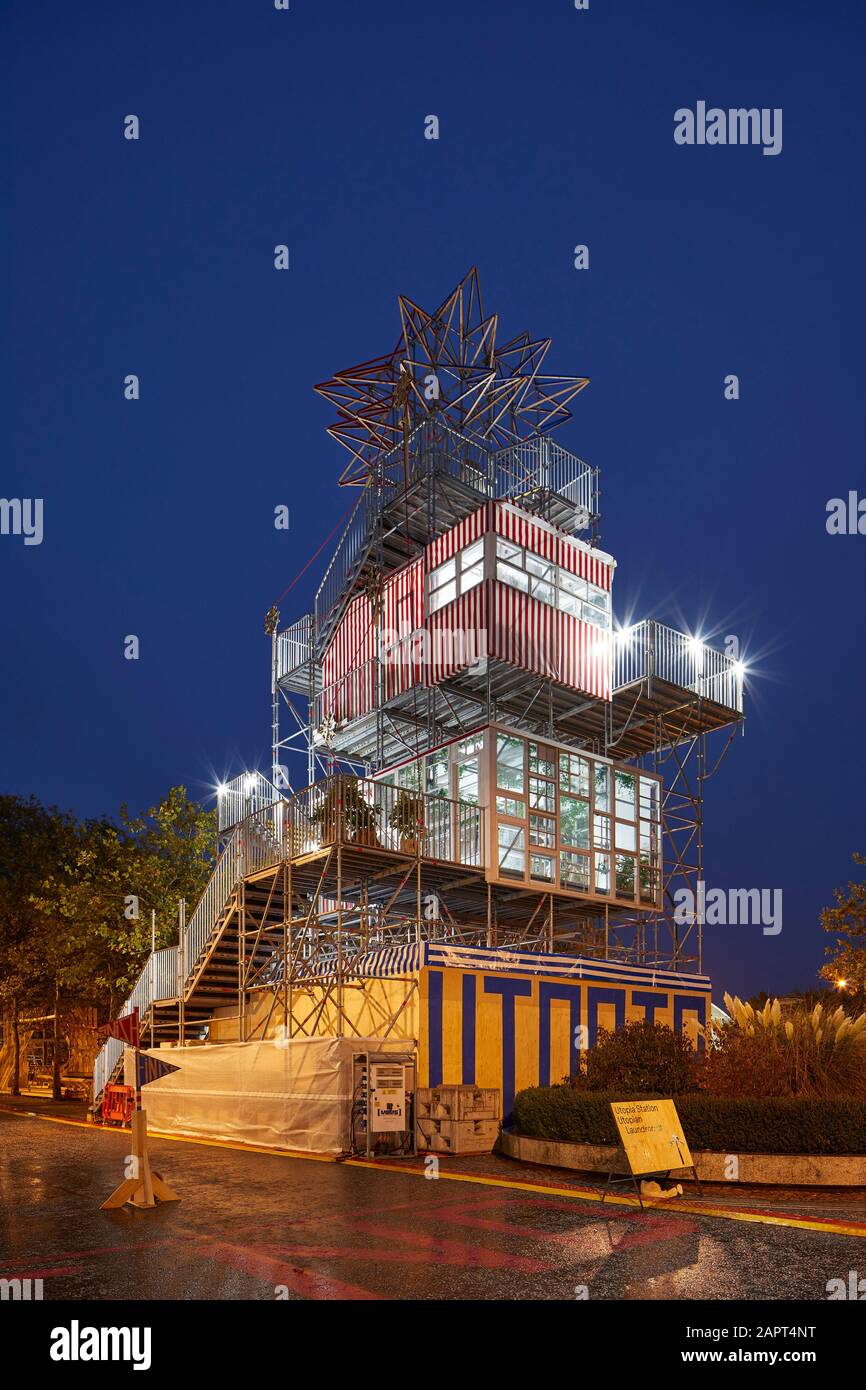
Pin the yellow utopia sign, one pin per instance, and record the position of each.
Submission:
(652, 1135)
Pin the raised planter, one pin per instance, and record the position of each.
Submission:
(784, 1170)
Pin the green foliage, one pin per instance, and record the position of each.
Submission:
(791, 1125)
(847, 922)
(640, 1057)
(32, 839)
(407, 814)
(76, 896)
(769, 1051)
(343, 806)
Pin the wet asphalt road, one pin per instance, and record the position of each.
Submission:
(261, 1226)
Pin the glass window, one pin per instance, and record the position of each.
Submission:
(624, 876)
(570, 584)
(507, 574)
(509, 806)
(601, 832)
(438, 773)
(409, 776)
(467, 781)
(574, 871)
(538, 588)
(469, 578)
(599, 598)
(649, 798)
(569, 604)
(542, 569)
(574, 774)
(649, 838)
(592, 615)
(574, 822)
(472, 554)
(541, 867)
(509, 764)
(602, 787)
(542, 795)
(467, 746)
(649, 882)
(446, 594)
(602, 873)
(512, 850)
(625, 790)
(542, 831)
(541, 760)
(506, 550)
(625, 837)
(443, 573)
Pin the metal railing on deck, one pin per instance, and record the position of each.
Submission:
(340, 810)
(166, 973)
(295, 646)
(377, 815)
(542, 463)
(650, 648)
(363, 812)
(435, 448)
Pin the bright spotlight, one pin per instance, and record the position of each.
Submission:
(739, 669)
(696, 647)
(250, 784)
(222, 789)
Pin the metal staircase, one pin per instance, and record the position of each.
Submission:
(180, 986)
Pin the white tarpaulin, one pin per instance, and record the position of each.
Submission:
(278, 1093)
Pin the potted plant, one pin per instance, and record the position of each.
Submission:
(407, 818)
(344, 814)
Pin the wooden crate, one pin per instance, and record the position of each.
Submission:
(457, 1136)
(457, 1103)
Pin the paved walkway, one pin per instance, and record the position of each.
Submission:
(258, 1225)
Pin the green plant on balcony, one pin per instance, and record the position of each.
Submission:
(344, 814)
(407, 818)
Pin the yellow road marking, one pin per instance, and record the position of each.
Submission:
(762, 1218)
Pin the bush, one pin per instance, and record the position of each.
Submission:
(789, 1125)
(640, 1057)
(810, 1052)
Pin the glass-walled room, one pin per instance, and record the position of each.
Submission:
(556, 819)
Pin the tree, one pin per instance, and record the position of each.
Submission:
(33, 840)
(76, 899)
(119, 876)
(847, 921)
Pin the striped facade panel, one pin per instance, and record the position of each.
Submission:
(526, 632)
(457, 634)
(402, 618)
(470, 529)
(552, 544)
(348, 669)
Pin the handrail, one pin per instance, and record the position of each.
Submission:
(363, 812)
(340, 809)
(652, 649)
(435, 448)
(160, 972)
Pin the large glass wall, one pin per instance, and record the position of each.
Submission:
(560, 819)
(568, 820)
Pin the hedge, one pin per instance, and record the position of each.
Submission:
(763, 1125)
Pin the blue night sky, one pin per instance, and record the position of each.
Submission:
(261, 127)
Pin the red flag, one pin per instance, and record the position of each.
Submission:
(125, 1028)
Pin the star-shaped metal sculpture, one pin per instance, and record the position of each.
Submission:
(447, 364)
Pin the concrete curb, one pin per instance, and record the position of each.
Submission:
(783, 1170)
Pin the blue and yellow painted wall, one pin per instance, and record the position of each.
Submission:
(497, 1018)
(502, 1020)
